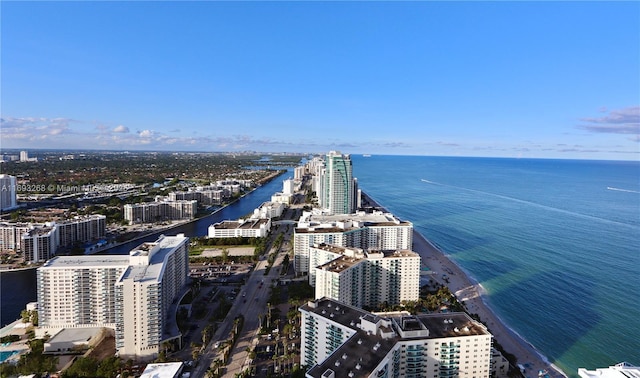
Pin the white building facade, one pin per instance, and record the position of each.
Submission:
(344, 341)
(161, 210)
(8, 192)
(39, 244)
(132, 294)
(371, 231)
(366, 278)
(250, 228)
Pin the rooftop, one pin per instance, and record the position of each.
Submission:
(165, 370)
(245, 224)
(75, 335)
(621, 370)
(153, 270)
(340, 264)
(94, 261)
(364, 351)
(346, 221)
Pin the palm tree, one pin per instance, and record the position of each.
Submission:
(206, 335)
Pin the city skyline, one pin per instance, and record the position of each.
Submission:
(499, 79)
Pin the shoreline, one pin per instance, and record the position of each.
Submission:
(472, 295)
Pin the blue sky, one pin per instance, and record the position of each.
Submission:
(507, 79)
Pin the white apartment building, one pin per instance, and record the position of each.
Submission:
(145, 295)
(250, 228)
(298, 173)
(161, 210)
(206, 196)
(371, 231)
(344, 341)
(81, 229)
(11, 235)
(134, 294)
(621, 370)
(285, 199)
(288, 186)
(8, 194)
(79, 291)
(366, 278)
(268, 210)
(39, 244)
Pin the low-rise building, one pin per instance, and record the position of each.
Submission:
(251, 228)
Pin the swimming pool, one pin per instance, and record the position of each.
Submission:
(6, 354)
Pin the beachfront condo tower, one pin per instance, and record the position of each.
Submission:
(339, 190)
(339, 340)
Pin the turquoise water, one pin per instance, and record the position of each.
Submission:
(5, 355)
(556, 243)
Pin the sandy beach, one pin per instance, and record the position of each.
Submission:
(471, 294)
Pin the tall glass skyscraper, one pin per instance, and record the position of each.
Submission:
(339, 188)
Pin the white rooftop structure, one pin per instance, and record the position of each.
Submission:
(165, 370)
(621, 370)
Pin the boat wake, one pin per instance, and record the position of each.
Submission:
(622, 190)
(538, 204)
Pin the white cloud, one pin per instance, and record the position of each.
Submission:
(145, 134)
(121, 129)
(620, 121)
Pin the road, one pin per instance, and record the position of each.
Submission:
(251, 303)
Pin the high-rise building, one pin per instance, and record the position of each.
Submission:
(161, 210)
(8, 198)
(40, 243)
(81, 229)
(366, 278)
(288, 186)
(145, 296)
(134, 294)
(339, 189)
(376, 230)
(11, 235)
(344, 341)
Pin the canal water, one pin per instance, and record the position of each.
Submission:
(19, 288)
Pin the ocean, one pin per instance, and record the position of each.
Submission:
(555, 243)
